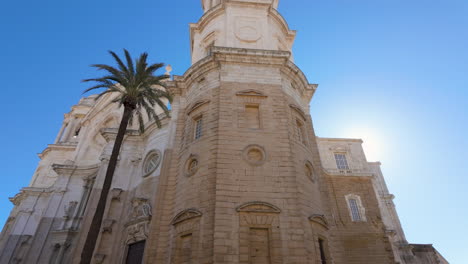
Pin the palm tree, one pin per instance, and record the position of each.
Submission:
(138, 89)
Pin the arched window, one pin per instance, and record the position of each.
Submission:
(357, 212)
(198, 131)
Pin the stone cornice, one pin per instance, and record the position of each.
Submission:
(291, 34)
(193, 73)
(208, 16)
(63, 169)
(28, 191)
(357, 140)
(110, 133)
(270, 58)
(57, 147)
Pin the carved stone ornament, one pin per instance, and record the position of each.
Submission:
(247, 29)
(255, 155)
(141, 210)
(186, 215)
(340, 148)
(251, 93)
(319, 219)
(197, 105)
(309, 171)
(258, 207)
(107, 225)
(18, 198)
(69, 209)
(115, 194)
(298, 110)
(99, 258)
(191, 165)
(137, 232)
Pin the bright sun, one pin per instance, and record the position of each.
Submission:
(373, 145)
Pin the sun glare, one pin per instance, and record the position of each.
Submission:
(374, 146)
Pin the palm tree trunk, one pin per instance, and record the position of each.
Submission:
(94, 230)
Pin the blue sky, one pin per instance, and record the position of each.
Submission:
(394, 73)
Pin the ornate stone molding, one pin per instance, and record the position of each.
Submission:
(140, 212)
(258, 207)
(107, 225)
(298, 110)
(109, 134)
(99, 258)
(69, 169)
(251, 93)
(30, 191)
(197, 105)
(254, 154)
(69, 209)
(349, 173)
(191, 165)
(115, 194)
(320, 220)
(137, 232)
(69, 146)
(185, 215)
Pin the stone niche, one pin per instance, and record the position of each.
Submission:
(186, 234)
(259, 233)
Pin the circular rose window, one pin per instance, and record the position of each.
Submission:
(151, 162)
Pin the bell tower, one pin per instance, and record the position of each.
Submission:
(243, 181)
(248, 24)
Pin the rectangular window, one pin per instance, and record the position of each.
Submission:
(252, 117)
(323, 257)
(135, 253)
(300, 132)
(198, 127)
(355, 213)
(341, 162)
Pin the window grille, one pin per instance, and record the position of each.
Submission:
(355, 213)
(198, 128)
(341, 162)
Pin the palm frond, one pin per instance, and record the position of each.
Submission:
(130, 66)
(137, 87)
(122, 66)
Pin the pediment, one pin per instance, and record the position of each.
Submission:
(299, 111)
(319, 219)
(251, 93)
(186, 215)
(197, 105)
(258, 207)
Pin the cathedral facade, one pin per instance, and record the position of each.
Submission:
(235, 175)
